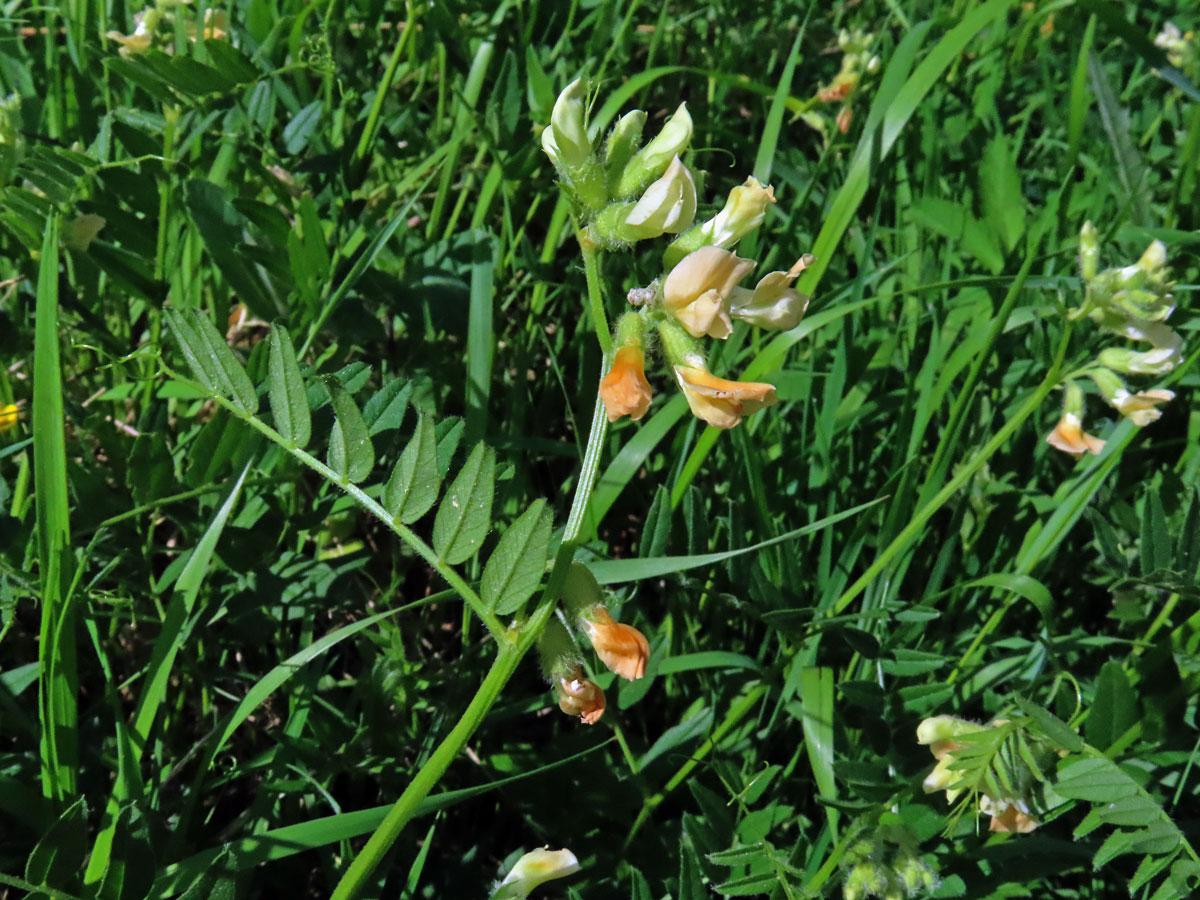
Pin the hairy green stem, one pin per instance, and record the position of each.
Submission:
(514, 643)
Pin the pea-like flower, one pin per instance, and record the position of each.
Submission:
(533, 869)
(667, 207)
(719, 402)
(773, 304)
(622, 648)
(697, 290)
(579, 697)
(744, 210)
(1069, 437)
(625, 390)
(652, 160)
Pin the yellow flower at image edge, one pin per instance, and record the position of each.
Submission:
(719, 402)
(8, 416)
(1069, 437)
(625, 390)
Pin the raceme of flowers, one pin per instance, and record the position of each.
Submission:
(622, 648)
(625, 192)
(1133, 302)
(954, 741)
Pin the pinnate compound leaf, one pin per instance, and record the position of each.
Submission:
(385, 410)
(515, 567)
(58, 856)
(351, 454)
(1149, 867)
(465, 514)
(211, 360)
(1052, 726)
(1095, 780)
(285, 390)
(415, 481)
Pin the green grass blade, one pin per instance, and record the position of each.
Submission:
(56, 648)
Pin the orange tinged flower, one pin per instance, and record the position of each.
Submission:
(1069, 437)
(624, 389)
(622, 648)
(719, 402)
(1007, 816)
(579, 697)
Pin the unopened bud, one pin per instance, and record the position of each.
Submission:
(652, 160)
(1089, 251)
(565, 139)
(743, 212)
(533, 869)
(622, 144)
(667, 207)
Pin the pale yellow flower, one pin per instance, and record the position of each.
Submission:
(9, 414)
(719, 402)
(696, 291)
(1141, 408)
(533, 869)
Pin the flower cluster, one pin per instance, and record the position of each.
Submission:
(625, 193)
(954, 742)
(622, 648)
(1134, 302)
(887, 865)
(1181, 48)
(856, 60)
(156, 25)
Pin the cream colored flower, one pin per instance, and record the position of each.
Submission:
(1141, 408)
(533, 869)
(1069, 437)
(697, 289)
(773, 304)
(719, 402)
(142, 37)
(667, 207)
(565, 139)
(622, 648)
(625, 390)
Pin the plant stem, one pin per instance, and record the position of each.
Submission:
(591, 266)
(513, 643)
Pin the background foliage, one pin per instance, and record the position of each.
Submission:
(368, 178)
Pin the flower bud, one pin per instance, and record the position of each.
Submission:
(938, 729)
(82, 230)
(667, 207)
(743, 212)
(622, 648)
(565, 139)
(1089, 251)
(624, 389)
(652, 160)
(772, 304)
(1159, 361)
(533, 869)
(621, 145)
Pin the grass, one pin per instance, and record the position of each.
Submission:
(307, 441)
